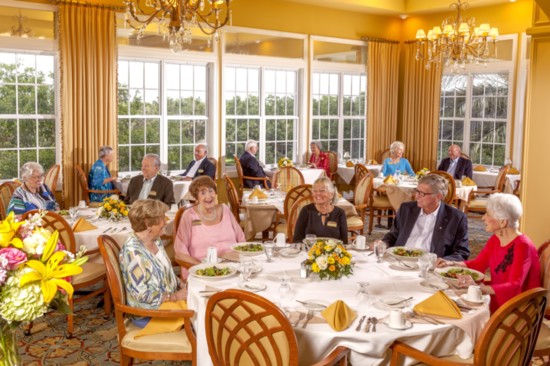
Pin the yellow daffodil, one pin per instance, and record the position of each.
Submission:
(8, 228)
(49, 272)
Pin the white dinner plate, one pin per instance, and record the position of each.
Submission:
(464, 297)
(408, 325)
(443, 273)
(387, 302)
(252, 286)
(240, 248)
(204, 260)
(353, 247)
(435, 285)
(289, 252)
(392, 251)
(413, 266)
(193, 271)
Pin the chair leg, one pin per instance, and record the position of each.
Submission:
(70, 319)
(371, 220)
(27, 329)
(108, 303)
(126, 360)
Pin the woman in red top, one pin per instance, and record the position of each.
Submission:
(318, 158)
(510, 255)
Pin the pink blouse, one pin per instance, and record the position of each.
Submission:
(194, 238)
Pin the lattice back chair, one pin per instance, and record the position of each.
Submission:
(243, 328)
(287, 177)
(169, 248)
(508, 338)
(450, 198)
(379, 206)
(215, 162)
(333, 164)
(180, 345)
(233, 197)
(542, 348)
(242, 177)
(360, 172)
(93, 276)
(6, 191)
(479, 204)
(292, 196)
(83, 182)
(384, 155)
(294, 213)
(50, 178)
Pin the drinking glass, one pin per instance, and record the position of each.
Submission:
(310, 240)
(268, 248)
(73, 213)
(423, 264)
(433, 260)
(362, 296)
(379, 250)
(245, 268)
(285, 291)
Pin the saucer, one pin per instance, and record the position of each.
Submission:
(408, 325)
(289, 252)
(353, 247)
(252, 286)
(464, 297)
(389, 302)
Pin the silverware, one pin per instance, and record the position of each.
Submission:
(307, 303)
(374, 321)
(427, 318)
(107, 230)
(360, 322)
(404, 264)
(398, 302)
(367, 326)
(300, 318)
(308, 318)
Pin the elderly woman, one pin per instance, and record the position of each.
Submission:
(33, 194)
(146, 269)
(321, 217)
(396, 161)
(318, 158)
(208, 224)
(510, 255)
(99, 177)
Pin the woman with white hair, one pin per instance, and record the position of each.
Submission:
(33, 193)
(396, 161)
(510, 255)
(318, 158)
(100, 177)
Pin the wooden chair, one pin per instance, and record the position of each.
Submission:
(360, 172)
(93, 277)
(450, 198)
(243, 328)
(479, 204)
(287, 177)
(242, 177)
(293, 215)
(385, 154)
(233, 197)
(542, 348)
(333, 165)
(83, 182)
(6, 191)
(464, 156)
(215, 162)
(508, 338)
(180, 345)
(379, 206)
(297, 192)
(361, 195)
(50, 178)
(517, 188)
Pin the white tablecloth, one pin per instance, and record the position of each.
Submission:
(347, 173)
(181, 188)
(311, 175)
(488, 179)
(318, 339)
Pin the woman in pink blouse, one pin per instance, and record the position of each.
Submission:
(318, 158)
(510, 255)
(208, 224)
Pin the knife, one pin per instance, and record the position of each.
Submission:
(107, 230)
(307, 303)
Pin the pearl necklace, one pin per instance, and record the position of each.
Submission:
(212, 217)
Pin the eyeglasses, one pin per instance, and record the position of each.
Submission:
(421, 194)
(37, 177)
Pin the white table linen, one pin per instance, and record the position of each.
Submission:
(347, 173)
(318, 339)
(488, 179)
(312, 174)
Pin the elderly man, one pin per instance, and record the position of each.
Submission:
(430, 224)
(150, 184)
(200, 166)
(456, 165)
(251, 166)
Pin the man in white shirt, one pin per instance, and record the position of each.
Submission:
(150, 184)
(455, 164)
(200, 166)
(430, 224)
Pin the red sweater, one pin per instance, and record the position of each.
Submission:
(322, 162)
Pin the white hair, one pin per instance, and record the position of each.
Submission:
(396, 145)
(104, 151)
(155, 158)
(504, 206)
(249, 144)
(29, 168)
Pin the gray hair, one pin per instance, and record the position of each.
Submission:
(504, 206)
(249, 144)
(437, 183)
(396, 145)
(29, 168)
(203, 146)
(155, 158)
(318, 144)
(104, 151)
(330, 187)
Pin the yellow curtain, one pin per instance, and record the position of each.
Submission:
(421, 93)
(383, 74)
(87, 44)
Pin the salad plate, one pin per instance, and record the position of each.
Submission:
(248, 248)
(450, 274)
(208, 271)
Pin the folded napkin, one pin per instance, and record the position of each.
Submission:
(83, 225)
(165, 325)
(258, 193)
(468, 182)
(350, 164)
(480, 168)
(438, 304)
(372, 162)
(513, 170)
(338, 315)
(389, 180)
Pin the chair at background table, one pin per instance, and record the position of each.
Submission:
(360, 172)
(542, 348)
(179, 345)
(6, 191)
(233, 197)
(215, 163)
(243, 328)
(242, 177)
(297, 192)
(385, 154)
(293, 215)
(83, 182)
(479, 204)
(92, 273)
(508, 338)
(332, 165)
(287, 177)
(50, 178)
(361, 195)
(379, 206)
(517, 189)
(450, 198)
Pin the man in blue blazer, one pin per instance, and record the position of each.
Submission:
(430, 224)
(201, 165)
(251, 166)
(455, 164)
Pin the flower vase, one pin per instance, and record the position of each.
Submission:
(9, 353)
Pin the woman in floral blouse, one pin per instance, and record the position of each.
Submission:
(100, 177)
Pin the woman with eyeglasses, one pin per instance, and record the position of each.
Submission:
(207, 224)
(33, 194)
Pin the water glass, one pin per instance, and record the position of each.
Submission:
(245, 267)
(362, 296)
(310, 240)
(73, 213)
(424, 262)
(433, 261)
(285, 291)
(268, 248)
(379, 250)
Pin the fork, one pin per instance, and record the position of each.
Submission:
(300, 318)
(367, 326)
(308, 318)
(404, 264)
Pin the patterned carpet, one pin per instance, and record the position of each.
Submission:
(95, 339)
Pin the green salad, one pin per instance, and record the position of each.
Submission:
(404, 252)
(63, 212)
(455, 272)
(251, 247)
(213, 271)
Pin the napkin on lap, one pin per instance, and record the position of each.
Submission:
(438, 304)
(83, 225)
(339, 316)
(468, 182)
(165, 325)
(480, 168)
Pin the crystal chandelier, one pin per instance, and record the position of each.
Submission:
(460, 42)
(177, 18)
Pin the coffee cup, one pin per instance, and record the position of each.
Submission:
(212, 255)
(474, 294)
(360, 242)
(82, 204)
(174, 208)
(280, 240)
(397, 319)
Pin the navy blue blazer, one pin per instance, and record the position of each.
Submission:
(463, 167)
(252, 168)
(450, 237)
(206, 168)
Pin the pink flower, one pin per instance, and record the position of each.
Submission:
(14, 256)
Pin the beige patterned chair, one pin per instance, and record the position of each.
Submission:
(477, 201)
(287, 177)
(50, 178)
(6, 191)
(292, 196)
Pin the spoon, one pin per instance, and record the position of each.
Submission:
(374, 321)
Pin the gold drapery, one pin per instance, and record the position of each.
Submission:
(421, 94)
(88, 54)
(382, 96)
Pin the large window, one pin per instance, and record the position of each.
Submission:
(27, 111)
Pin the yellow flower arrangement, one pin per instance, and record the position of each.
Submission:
(113, 208)
(284, 162)
(330, 259)
(422, 172)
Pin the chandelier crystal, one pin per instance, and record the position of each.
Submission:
(457, 42)
(177, 18)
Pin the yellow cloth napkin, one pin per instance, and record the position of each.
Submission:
(165, 325)
(349, 164)
(338, 315)
(468, 182)
(439, 304)
(372, 162)
(513, 170)
(258, 193)
(389, 180)
(83, 225)
(480, 168)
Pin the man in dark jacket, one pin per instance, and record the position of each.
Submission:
(201, 165)
(455, 164)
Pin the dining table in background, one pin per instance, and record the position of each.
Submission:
(347, 173)
(488, 179)
(181, 188)
(317, 340)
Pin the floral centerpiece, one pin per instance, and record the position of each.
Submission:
(330, 259)
(34, 276)
(284, 162)
(422, 172)
(112, 208)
